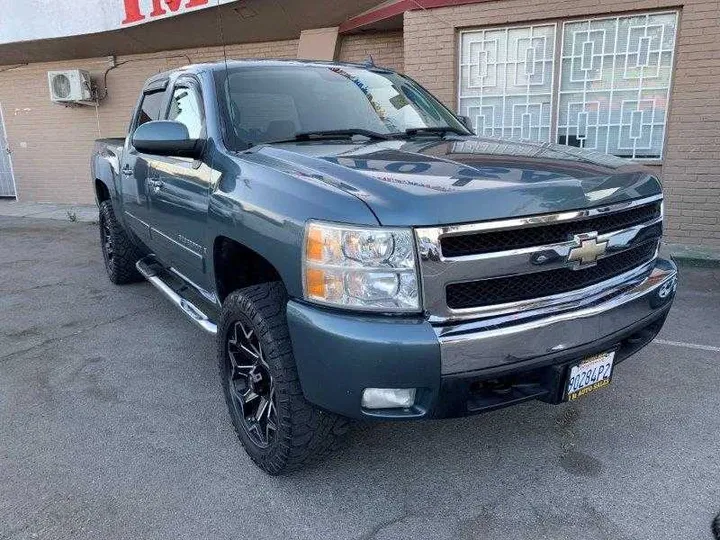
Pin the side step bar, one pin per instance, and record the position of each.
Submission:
(187, 307)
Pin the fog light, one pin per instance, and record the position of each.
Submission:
(388, 398)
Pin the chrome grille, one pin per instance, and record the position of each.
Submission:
(487, 242)
(561, 280)
(527, 266)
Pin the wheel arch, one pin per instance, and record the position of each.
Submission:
(237, 266)
(102, 191)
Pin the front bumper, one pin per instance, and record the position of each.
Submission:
(470, 367)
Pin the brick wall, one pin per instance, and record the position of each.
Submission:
(386, 49)
(691, 167)
(51, 144)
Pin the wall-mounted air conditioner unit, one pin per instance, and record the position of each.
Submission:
(70, 86)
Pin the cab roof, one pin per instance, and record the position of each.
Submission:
(160, 80)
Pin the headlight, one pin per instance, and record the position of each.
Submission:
(371, 269)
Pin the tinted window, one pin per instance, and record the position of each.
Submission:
(186, 107)
(150, 108)
(274, 103)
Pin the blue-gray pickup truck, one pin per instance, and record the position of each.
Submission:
(359, 253)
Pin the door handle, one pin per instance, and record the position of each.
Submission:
(156, 185)
(127, 171)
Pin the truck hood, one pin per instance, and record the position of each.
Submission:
(430, 181)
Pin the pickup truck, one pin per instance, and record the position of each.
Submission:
(359, 253)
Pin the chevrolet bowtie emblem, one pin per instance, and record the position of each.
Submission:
(587, 253)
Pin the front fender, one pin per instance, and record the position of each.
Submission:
(264, 204)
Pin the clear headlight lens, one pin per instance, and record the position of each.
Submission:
(370, 269)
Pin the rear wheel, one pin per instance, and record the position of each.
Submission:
(278, 428)
(119, 252)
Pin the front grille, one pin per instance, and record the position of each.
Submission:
(488, 242)
(487, 292)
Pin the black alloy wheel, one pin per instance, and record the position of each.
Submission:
(251, 385)
(106, 240)
(120, 253)
(278, 428)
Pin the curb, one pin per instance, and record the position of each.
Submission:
(690, 262)
(694, 256)
(79, 213)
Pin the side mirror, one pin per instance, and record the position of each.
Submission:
(166, 138)
(467, 122)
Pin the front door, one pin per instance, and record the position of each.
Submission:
(135, 170)
(7, 181)
(180, 190)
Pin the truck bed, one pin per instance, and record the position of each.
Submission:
(105, 160)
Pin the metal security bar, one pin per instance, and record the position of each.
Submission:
(506, 80)
(600, 83)
(615, 75)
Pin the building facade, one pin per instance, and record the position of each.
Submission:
(633, 79)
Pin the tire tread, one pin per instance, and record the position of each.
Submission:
(308, 434)
(122, 270)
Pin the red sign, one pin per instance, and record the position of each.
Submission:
(134, 12)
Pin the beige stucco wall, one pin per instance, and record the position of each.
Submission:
(51, 144)
(691, 167)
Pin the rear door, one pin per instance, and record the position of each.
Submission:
(180, 194)
(135, 168)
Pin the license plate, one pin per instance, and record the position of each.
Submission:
(589, 375)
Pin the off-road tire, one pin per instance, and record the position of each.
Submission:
(305, 434)
(121, 254)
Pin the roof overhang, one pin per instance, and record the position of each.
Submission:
(243, 21)
(389, 15)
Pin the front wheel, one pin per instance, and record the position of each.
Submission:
(278, 428)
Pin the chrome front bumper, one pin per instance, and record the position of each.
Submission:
(502, 341)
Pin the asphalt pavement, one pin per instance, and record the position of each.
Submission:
(113, 425)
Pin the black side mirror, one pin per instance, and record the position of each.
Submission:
(467, 122)
(166, 138)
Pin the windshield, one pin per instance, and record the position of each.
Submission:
(276, 103)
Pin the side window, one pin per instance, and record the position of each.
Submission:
(186, 107)
(150, 108)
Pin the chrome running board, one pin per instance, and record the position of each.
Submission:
(191, 310)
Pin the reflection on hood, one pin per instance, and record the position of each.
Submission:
(468, 179)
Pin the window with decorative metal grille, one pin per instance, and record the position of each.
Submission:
(506, 80)
(602, 83)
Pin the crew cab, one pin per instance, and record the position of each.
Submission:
(359, 253)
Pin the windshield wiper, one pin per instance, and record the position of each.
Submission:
(441, 130)
(336, 134)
